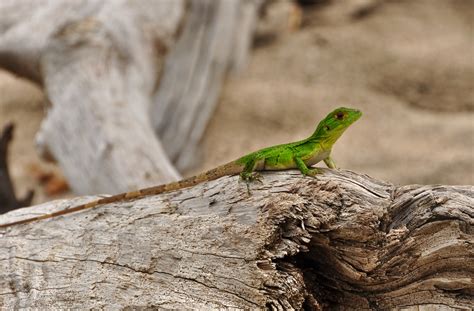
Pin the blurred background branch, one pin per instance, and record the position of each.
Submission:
(103, 68)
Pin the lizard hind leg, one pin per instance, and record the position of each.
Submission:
(330, 162)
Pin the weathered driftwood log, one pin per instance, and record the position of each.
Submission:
(341, 240)
(101, 64)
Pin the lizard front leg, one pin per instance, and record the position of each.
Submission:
(248, 175)
(330, 162)
(304, 169)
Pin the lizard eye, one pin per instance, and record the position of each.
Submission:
(327, 128)
(340, 115)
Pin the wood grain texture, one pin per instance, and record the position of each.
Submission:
(342, 241)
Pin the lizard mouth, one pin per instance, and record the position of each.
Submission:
(356, 114)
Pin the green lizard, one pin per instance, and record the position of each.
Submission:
(301, 155)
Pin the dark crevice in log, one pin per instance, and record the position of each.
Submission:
(320, 280)
(8, 200)
(344, 269)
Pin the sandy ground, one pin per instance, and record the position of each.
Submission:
(408, 65)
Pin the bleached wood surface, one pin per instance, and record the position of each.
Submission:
(215, 39)
(342, 240)
(121, 75)
(98, 62)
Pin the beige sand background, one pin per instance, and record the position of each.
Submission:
(408, 65)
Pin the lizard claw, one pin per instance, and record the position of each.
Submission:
(313, 172)
(250, 177)
(257, 177)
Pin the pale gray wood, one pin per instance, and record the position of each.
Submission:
(216, 37)
(342, 240)
(101, 64)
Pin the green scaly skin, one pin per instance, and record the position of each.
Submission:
(301, 155)
(304, 153)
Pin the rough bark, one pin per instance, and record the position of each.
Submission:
(342, 241)
(101, 64)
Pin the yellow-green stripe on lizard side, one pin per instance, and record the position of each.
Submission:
(301, 155)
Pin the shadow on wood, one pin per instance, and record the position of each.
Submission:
(8, 200)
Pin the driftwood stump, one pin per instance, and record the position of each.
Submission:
(341, 240)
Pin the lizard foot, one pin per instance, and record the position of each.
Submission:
(313, 172)
(250, 177)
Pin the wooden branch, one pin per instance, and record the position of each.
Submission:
(101, 64)
(342, 240)
(216, 37)
(8, 200)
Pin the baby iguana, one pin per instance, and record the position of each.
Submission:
(301, 154)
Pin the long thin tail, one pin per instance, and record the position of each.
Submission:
(231, 168)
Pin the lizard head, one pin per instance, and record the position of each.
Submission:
(332, 127)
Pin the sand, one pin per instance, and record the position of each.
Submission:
(408, 65)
